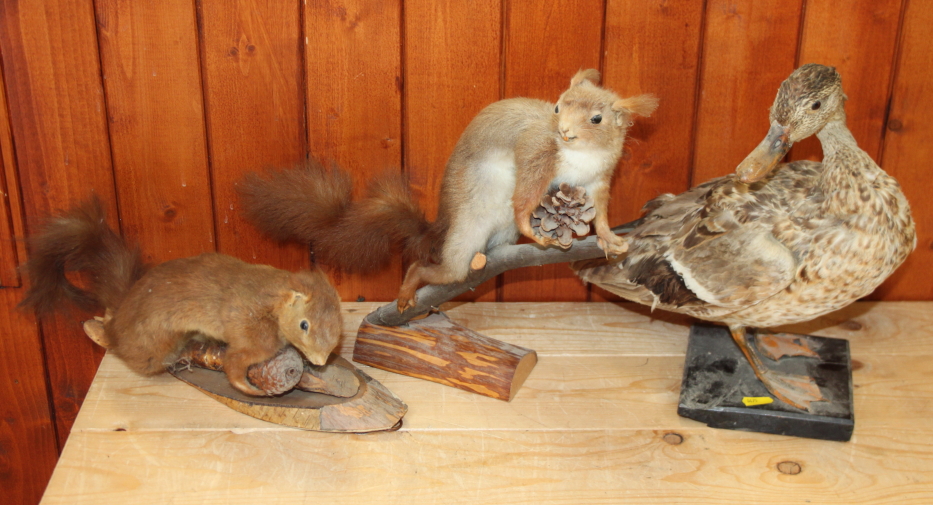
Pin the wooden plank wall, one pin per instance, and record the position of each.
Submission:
(159, 107)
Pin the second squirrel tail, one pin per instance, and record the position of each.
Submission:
(312, 204)
(80, 241)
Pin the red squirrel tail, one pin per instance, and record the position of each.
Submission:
(80, 241)
(313, 204)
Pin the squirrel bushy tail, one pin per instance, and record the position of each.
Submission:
(80, 241)
(313, 204)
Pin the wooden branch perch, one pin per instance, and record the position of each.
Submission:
(498, 260)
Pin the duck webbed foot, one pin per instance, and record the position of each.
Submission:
(795, 390)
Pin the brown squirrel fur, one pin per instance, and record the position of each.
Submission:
(505, 160)
(312, 204)
(152, 313)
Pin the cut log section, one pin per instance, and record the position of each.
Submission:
(336, 397)
(372, 408)
(440, 350)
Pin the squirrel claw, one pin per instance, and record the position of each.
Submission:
(243, 386)
(615, 245)
(405, 304)
(547, 241)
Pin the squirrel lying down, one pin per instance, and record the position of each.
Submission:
(152, 313)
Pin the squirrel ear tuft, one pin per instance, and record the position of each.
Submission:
(641, 105)
(292, 298)
(590, 74)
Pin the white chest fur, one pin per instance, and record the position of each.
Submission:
(583, 167)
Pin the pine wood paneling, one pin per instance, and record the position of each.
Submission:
(56, 104)
(748, 49)
(149, 56)
(662, 59)
(858, 38)
(353, 54)
(12, 247)
(452, 64)
(907, 150)
(546, 44)
(254, 99)
(28, 448)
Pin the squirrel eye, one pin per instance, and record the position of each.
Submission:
(304, 325)
(596, 119)
(556, 109)
(816, 105)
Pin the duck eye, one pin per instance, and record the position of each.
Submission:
(304, 325)
(598, 118)
(816, 105)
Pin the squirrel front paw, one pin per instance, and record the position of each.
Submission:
(612, 244)
(242, 385)
(405, 303)
(549, 241)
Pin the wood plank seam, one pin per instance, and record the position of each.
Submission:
(205, 118)
(895, 68)
(694, 118)
(107, 119)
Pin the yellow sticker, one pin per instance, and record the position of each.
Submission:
(751, 401)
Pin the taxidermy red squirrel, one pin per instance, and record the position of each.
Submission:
(505, 161)
(151, 313)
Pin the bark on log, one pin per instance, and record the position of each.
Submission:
(439, 350)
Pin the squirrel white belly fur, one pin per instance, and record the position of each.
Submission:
(507, 158)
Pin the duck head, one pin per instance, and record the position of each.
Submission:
(805, 102)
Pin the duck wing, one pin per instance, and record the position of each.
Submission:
(711, 250)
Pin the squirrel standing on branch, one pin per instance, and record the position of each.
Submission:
(508, 157)
(151, 314)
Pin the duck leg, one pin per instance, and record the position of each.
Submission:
(795, 390)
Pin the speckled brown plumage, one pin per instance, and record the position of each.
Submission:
(807, 239)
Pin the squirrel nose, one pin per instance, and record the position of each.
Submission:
(565, 134)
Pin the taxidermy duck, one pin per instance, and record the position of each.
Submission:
(772, 244)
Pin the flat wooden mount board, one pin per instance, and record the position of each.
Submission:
(439, 350)
(373, 408)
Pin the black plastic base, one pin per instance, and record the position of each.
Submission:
(717, 377)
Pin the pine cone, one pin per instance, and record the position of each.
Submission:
(563, 213)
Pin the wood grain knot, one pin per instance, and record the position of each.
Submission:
(857, 365)
(789, 467)
(895, 125)
(673, 438)
(852, 325)
(169, 213)
(120, 429)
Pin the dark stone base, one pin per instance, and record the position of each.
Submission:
(717, 377)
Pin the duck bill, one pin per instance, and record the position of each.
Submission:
(766, 156)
